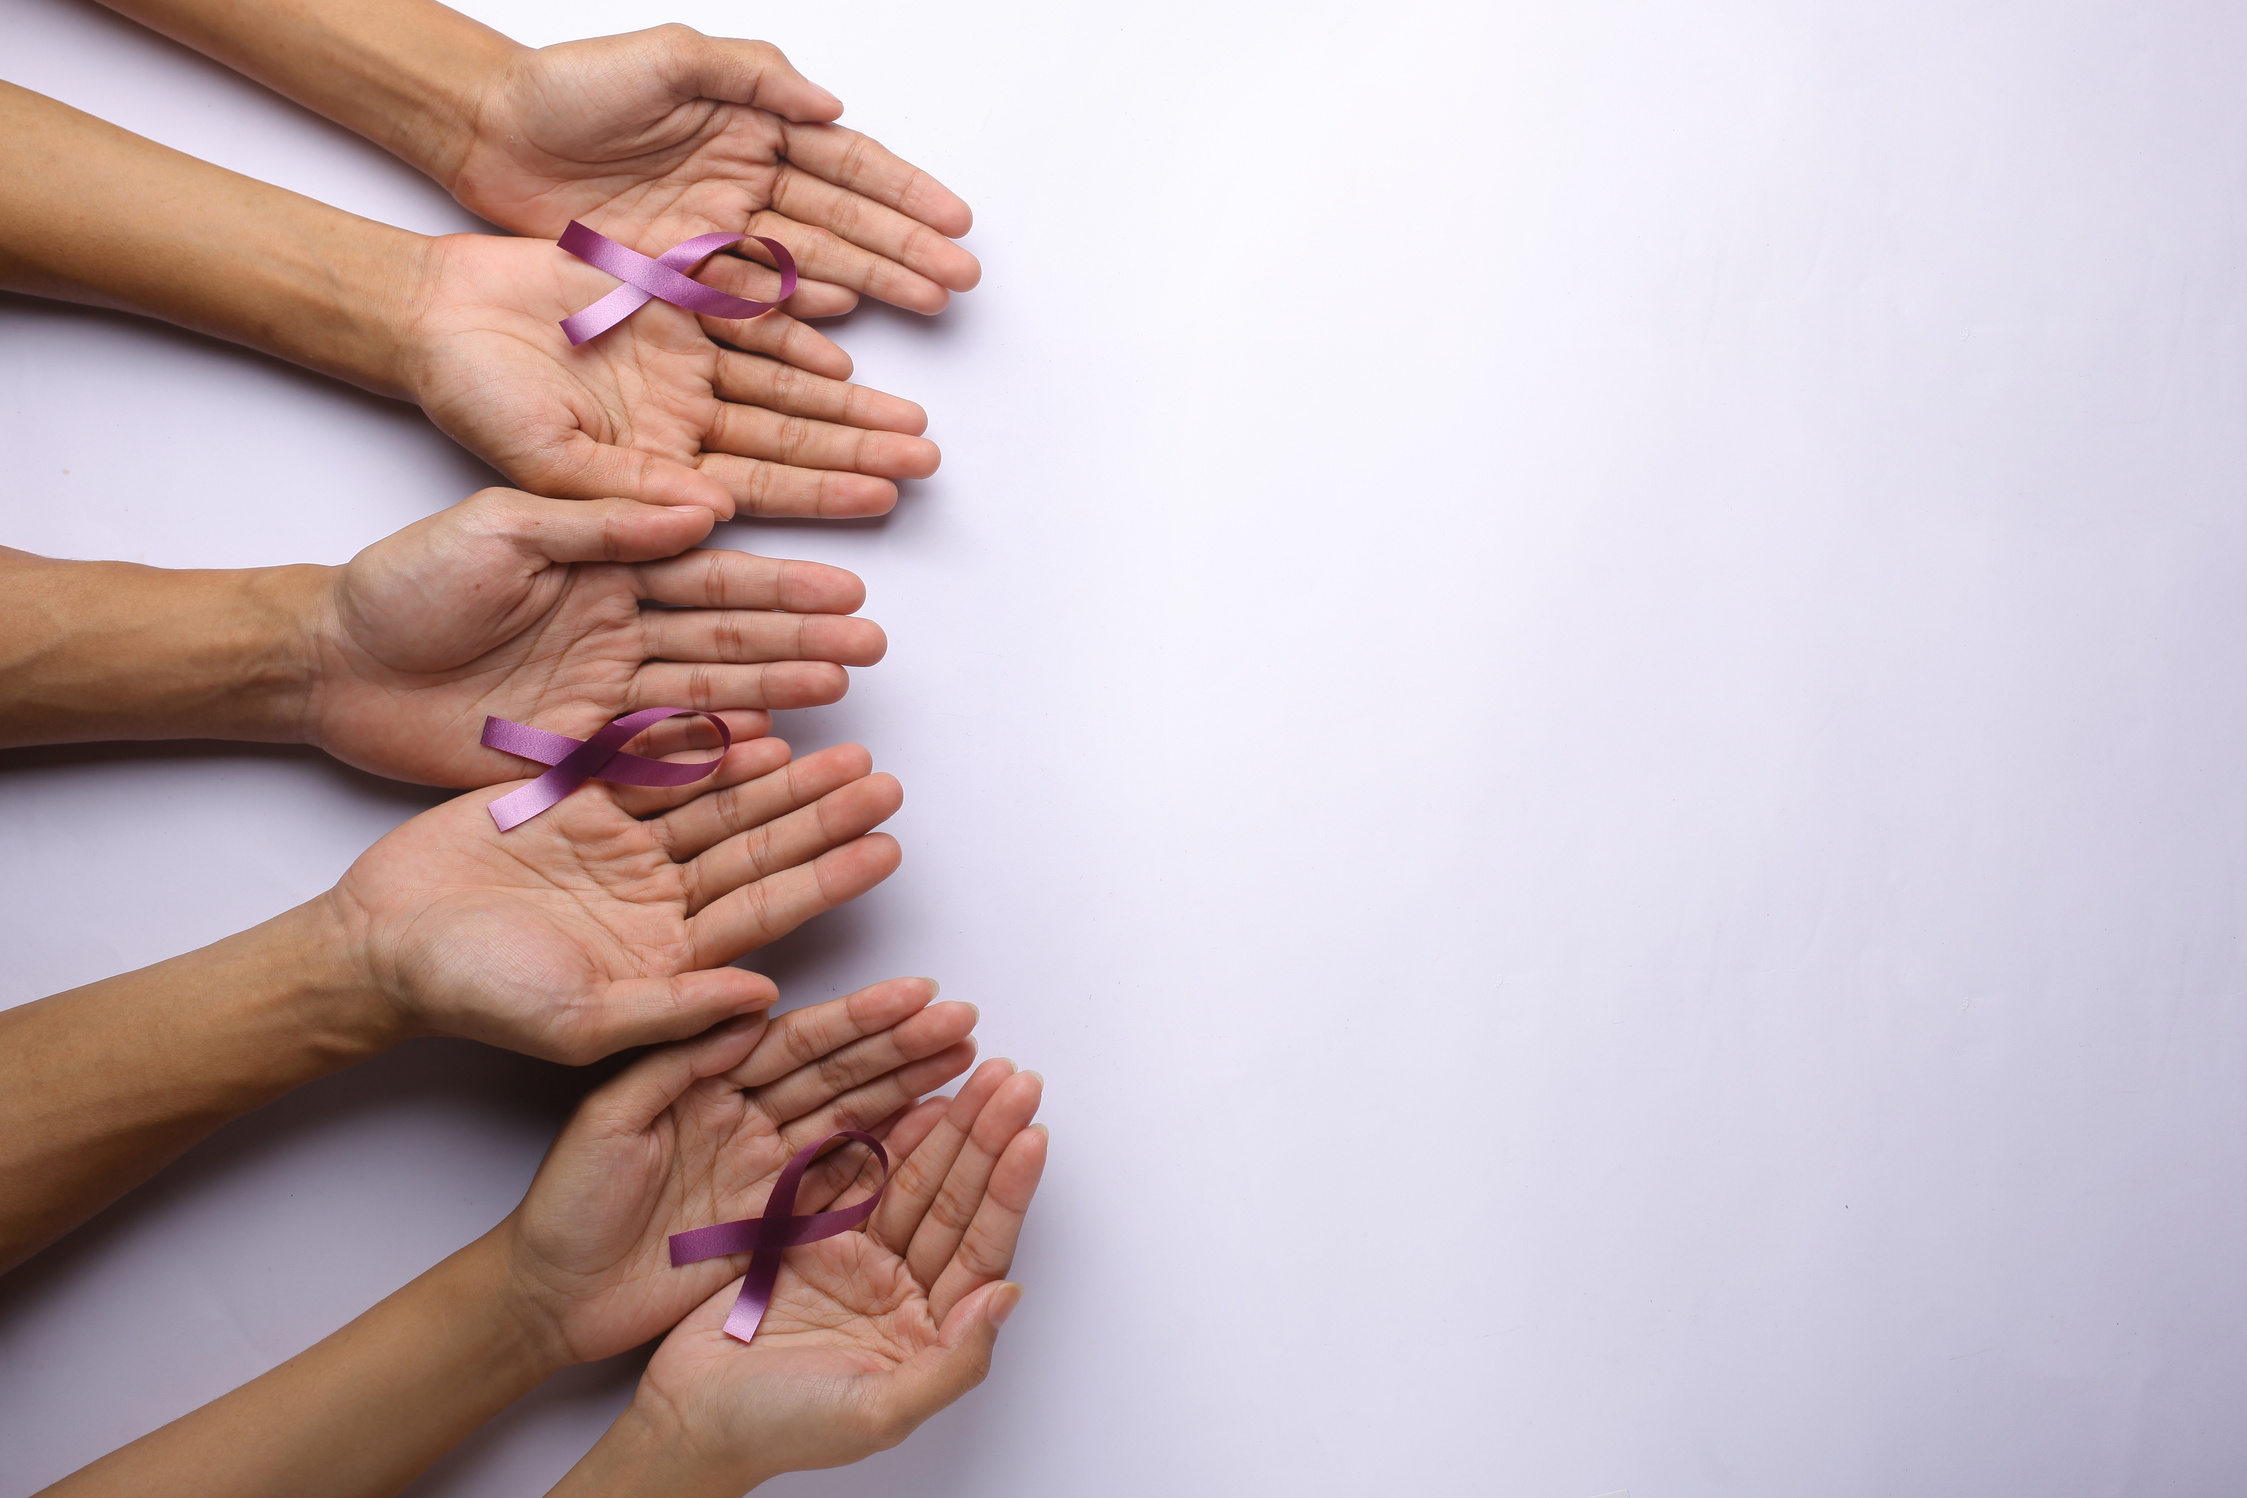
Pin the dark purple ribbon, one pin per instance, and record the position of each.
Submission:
(665, 276)
(765, 1238)
(600, 757)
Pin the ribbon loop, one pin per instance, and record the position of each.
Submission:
(764, 1238)
(600, 757)
(665, 276)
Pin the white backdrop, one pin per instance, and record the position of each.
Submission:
(1611, 627)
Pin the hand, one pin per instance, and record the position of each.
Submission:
(694, 1134)
(652, 409)
(608, 920)
(661, 135)
(868, 1334)
(516, 607)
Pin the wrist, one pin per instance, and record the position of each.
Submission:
(337, 1012)
(93, 651)
(651, 1452)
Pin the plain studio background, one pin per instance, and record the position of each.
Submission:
(1576, 672)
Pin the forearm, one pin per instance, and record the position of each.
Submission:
(97, 214)
(111, 650)
(102, 1086)
(647, 1453)
(357, 1415)
(407, 74)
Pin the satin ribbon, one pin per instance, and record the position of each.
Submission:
(665, 277)
(765, 1238)
(600, 757)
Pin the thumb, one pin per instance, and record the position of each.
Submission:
(648, 1011)
(589, 530)
(581, 468)
(936, 1376)
(633, 1099)
(753, 73)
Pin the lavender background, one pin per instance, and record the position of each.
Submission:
(1614, 627)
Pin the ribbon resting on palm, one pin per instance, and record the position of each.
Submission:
(766, 1238)
(600, 757)
(665, 276)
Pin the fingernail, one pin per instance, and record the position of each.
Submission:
(1038, 1074)
(1003, 1301)
(934, 987)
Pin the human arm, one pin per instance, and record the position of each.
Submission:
(464, 325)
(607, 922)
(364, 1410)
(504, 605)
(664, 132)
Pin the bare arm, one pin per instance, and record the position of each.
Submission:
(103, 1086)
(97, 214)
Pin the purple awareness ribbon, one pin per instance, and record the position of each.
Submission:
(665, 277)
(600, 757)
(765, 1238)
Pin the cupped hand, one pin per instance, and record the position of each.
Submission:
(665, 134)
(609, 920)
(694, 1131)
(653, 409)
(517, 607)
(869, 1333)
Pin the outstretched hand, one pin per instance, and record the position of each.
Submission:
(868, 1334)
(694, 1131)
(609, 920)
(664, 134)
(516, 607)
(653, 409)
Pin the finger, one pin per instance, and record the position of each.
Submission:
(749, 760)
(719, 579)
(802, 1036)
(724, 805)
(855, 1063)
(711, 688)
(755, 636)
(879, 1098)
(576, 530)
(920, 1174)
(755, 914)
(577, 467)
(936, 1376)
(862, 164)
(744, 72)
(943, 1230)
(774, 386)
(911, 1128)
(758, 487)
(780, 335)
(645, 1011)
(986, 1250)
(792, 841)
(629, 1102)
(800, 442)
(896, 237)
(822, 255)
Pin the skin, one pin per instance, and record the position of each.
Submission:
(658, 135)
(549, 612)
(692, 1133)
(666, 408)
(609, 921)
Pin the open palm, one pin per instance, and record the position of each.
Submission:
(598, 925)
(511, 606)
(694, 1130)
(653, 409)
(667, 134)
(871, 1332)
